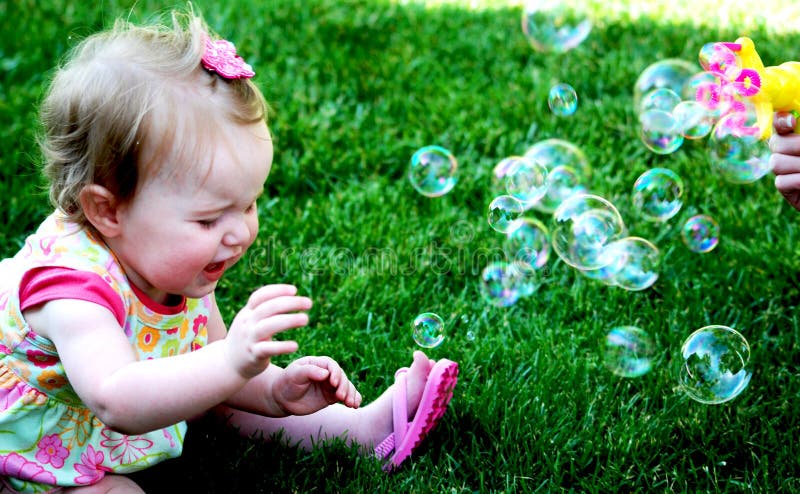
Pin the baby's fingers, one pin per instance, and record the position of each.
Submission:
(266, 349)
(271, 326)
(269, 292)
(281, 305)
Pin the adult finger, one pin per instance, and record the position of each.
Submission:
(784, 122)
(784, 164)
(788, 184)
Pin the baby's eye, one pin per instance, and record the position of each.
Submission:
(207, 223)
(251, 207)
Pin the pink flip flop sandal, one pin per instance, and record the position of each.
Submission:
(435, 398)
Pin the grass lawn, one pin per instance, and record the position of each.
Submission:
(357, 86)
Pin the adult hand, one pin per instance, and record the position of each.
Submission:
(785, 159)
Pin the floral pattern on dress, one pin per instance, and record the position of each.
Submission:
(49, 438)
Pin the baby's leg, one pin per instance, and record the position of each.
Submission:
(110, 484)
(365, 426)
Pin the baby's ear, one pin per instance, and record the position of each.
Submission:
(101, 208)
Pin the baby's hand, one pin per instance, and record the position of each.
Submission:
(310, 384)
(271, 310)
(785, 159)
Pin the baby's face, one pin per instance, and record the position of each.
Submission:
(182, 232)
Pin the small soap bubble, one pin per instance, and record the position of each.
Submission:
(526, 180)
(714, 364)
(428, 330)
(501, 283)
(657, 194)
(671, 73)
(433, 171)
(562, 100)
(628, 351)
(659, 131)
(503, 210)
(664, 99)
(700, 233)
(470, 336)
(551, 26)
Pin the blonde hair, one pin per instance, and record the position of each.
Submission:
(129, 101)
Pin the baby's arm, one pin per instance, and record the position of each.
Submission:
(135, 396)
(785, 159)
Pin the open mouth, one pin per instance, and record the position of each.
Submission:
(215, 269)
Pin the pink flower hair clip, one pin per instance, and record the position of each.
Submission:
(220, 56)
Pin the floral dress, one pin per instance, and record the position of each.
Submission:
(48, 437)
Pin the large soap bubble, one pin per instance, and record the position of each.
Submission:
(552, 26)
(714, 364)
(737, 152)
(628, 351)
(585, 225)
(670, 73)
(657, 194)
(568, 171)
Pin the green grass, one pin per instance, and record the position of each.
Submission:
(357, 86)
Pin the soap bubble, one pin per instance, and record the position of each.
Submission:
(693, 120)
(501, 283)
(663, 98)
(659, 131)
(550, 26)
(629, 351)
(719, 59)
(529, 278)
(657, 194)
(562, 182)
(700, 233)
(503, 210)
(553, 153)
(714, 364)
(428, 330)
(585, 226)
(568, 171)
(433, 171)
(636, 262)
(737, 152)
(562, 100)
(670, 73)
(527, 243)
(526, 180)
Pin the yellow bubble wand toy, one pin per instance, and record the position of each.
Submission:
(742, 76)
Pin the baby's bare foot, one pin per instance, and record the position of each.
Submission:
(375, 421)
(416, 377)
